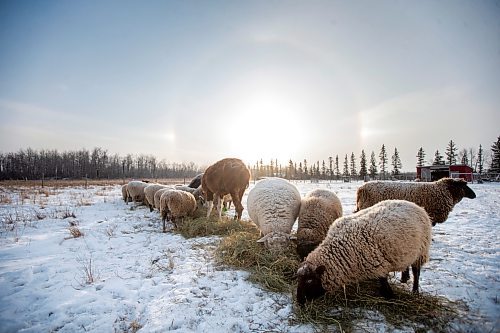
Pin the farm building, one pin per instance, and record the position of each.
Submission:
(435, 172)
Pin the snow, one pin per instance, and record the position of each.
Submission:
(143, 278)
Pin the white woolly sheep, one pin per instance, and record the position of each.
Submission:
(370, 244)
(318, 210)
(135, 189)
(273, 205)
(124, 193)
(149, 192)
(175, 205)
(158, 194)
(197, 192)
(437, 198)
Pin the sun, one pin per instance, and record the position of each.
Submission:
(270, 126)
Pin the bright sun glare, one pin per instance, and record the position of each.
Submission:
(272, 128)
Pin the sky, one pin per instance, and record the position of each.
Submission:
(203, 80)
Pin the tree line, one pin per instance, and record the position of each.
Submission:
(100, 164)
(379, 166)
(95, 164)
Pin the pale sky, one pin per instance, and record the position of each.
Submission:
(203, 80)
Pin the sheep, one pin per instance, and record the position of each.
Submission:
(318, 210)
(175, 205)
(149, 192)
(158, 194)
(196, 181)
(197, 192)
(229, 175)
(273, 205)
(125, 193)
(135, 190)
(437, 198)
(384, 238)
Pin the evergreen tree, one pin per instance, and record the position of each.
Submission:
(462, 156)
(306, 171)
(354, 172)
(383, 161)
(300, 171)
(421, 157)
(373, 166)
(451, 153)
(438, 159)
(337, 168)
(495, 158)
(480, 160)
(323, 170)
(362, 166)
(330, 168)
(290, 174)
(345, 172)
(396, 163)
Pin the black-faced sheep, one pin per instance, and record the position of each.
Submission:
(229, 175)
(370, 244)
(135, 191)
(196, 181)
(437, 198)
(175, 205)
(273, 205)
(318, 210)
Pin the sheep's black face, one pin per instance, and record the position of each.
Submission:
(304, 248)
(309, 282)
(459, 189)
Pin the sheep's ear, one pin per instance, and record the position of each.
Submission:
(263, 239)
(320, 270)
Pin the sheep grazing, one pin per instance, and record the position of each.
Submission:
(197, 192)
(196, 181)
(158, 194)
(437, 198)
(273, 205)
(387, 237)
(125, 193)
(318, 210)
(175, 205)
(149, 192)
(135, 190)
(229, 175)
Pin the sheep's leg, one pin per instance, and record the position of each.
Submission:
(150, 208)
(237, 203)
(415, 269)
(405, 275)
(209, 209)
(385, 288)
(219, 207)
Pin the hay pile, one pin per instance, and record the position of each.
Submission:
(343, 310)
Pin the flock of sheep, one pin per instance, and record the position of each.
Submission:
(389, 231)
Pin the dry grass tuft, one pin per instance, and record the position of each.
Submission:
(75, 232)
(5, 199)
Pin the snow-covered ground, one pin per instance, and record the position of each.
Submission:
(124, 274)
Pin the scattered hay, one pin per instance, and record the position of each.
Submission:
(201, 226)
(274, 271)
(347, 310)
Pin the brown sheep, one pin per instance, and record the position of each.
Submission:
(229, 175)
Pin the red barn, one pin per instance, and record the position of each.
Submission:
(435, 172)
